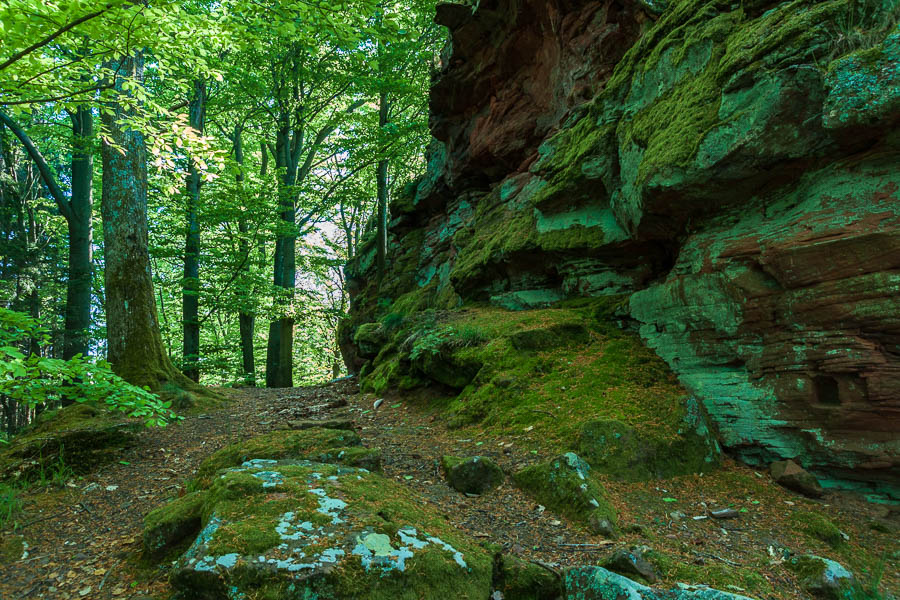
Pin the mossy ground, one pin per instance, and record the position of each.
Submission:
(546, 372)
(76, 438)
(769, 517)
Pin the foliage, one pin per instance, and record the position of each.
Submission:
(37, 380)
(10, 502)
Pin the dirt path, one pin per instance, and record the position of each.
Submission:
(84, 540)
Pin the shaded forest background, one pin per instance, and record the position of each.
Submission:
(264, 140)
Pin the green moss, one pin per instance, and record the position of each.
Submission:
(166, 527)
(12, 548)
(566, 486)
(80, 436)
(819, 527)
(276, 446)
(314, 512)
(625, 454)
(747, 577)
(521, 580)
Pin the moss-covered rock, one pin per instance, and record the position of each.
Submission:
(822, 577)
(518, 579)
(596, 583)
(80, 436)
(566, 486)
(294, 529)
(631, 563)
(473, 475)
(626, 454)
(819, 527)
(369, 338)
(318, 444)
(167, 526)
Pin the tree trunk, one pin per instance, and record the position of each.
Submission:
(246, 319)
(78, 290)
(135, 346)
(279, 359)
(190, 299)
(381, 183)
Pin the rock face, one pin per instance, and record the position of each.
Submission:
(732, 170)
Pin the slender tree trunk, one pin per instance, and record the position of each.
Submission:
(279, 359)
(78, 290)
(246, 318)
(135, 347)
(381, 183)
(190, 299)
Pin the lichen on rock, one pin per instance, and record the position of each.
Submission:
(287, 529)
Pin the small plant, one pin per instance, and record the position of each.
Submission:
(392, 321)
(864, 24)
(10, 503)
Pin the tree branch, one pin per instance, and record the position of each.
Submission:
(22, 53)
(43, 167)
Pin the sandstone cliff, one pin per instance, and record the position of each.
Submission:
(727, 172)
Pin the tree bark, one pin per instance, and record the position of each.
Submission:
(190, 299)
(135, 347)
(381, 183)
(246, 318)
(279, 360)
(78, 289)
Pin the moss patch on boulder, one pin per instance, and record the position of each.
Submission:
(167, 526)
(518, 579)
(318, 444)
(297, 529)
(823, 577)
(566, 486)
(473, 475)
(622, 452)
(562, 374)
(81, 436)
(818, 527)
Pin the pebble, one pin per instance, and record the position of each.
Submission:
(724, 513)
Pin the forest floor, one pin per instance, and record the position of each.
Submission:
(84, 538)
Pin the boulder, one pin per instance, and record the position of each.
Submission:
(169, 525)
(822, 577)
(566, 486)
(626, 454)
(631, 563)
(518, 579)
(597, 583)
(317, 444)
(296, 529)
(473, 475)
(80, 437)
(819, 527)
(789, 474)
(369, 338)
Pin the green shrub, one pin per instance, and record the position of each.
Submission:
(38, 380)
